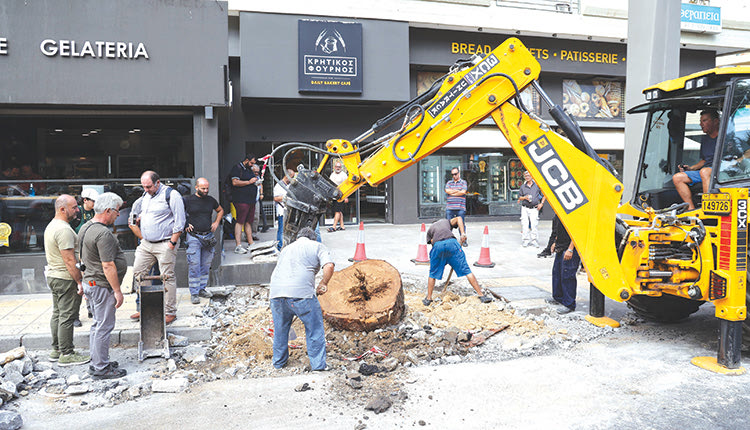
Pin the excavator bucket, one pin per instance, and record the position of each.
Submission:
(306, 200)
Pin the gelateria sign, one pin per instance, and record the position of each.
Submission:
(95, 49)
(86, 48)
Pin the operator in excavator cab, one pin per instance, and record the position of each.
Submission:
(700, 172)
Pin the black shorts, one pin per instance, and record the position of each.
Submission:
(338, 206)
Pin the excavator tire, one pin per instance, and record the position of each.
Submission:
(665, 308)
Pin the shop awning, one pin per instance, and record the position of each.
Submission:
(491, 138)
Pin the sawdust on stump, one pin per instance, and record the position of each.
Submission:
(363, 297)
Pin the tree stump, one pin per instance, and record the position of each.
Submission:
(364, 296)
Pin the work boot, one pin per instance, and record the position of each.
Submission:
(73, 359)
(111, 363)
(205, 294)
(110, 372)
(194, 299)
(545, 253)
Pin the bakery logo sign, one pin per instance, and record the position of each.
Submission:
(330, 56)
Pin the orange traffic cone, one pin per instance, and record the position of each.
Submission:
(359, 253)
(484, 253)
(422, 255)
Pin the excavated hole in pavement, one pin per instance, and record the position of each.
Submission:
(366, 366)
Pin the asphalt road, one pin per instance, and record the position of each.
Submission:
(637, 377)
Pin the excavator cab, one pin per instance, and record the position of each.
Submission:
(673, 136)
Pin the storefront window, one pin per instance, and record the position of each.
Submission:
(493, 180)
(44, 157)
(594, 99)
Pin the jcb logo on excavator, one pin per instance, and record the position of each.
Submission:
(558, 177)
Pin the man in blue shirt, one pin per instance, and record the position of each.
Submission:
(159, 224)
(699, 172)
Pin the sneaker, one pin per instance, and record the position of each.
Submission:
(240, 250)
(73, 359)
(485, 298)
(426, 301)
(111, 363)
(205, 294)
(255, 237)
(77, 323)
(544, 254)
(194, 299)
(552, 301)
(54, 355)
(110, 372)
(565, 310)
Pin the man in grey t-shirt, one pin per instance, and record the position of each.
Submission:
(105, 268)
(292, 292)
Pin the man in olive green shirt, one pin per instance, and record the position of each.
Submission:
(64, 279)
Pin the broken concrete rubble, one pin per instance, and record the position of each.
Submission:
(10, 420)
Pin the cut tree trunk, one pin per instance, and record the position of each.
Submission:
(364, 296)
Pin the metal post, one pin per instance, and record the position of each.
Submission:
(596, 302)
(730, 343)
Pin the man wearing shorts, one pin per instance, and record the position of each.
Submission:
(244, 195)
(699, 172)
(447, 250)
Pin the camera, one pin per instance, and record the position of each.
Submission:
(80, 266)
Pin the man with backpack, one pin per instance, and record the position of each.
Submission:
(158, 219)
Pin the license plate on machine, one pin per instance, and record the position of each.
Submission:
(717, 204)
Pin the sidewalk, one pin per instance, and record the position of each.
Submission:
(25, 320)
(518, 275)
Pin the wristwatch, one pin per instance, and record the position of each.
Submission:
(173, 242)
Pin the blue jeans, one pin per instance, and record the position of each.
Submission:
(452, 213)
(199, 263)
(280, 232)
(564, 283)
(308, 311)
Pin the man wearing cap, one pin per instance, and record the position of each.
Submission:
(86, 212)
(88, 197)
(244, 194)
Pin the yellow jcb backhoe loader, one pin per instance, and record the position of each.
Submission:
(662, 260)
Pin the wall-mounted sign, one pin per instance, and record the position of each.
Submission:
(700, 19)
(330, 56)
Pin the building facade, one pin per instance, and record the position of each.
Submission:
(93, 94)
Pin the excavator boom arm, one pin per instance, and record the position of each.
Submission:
(580, 189)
